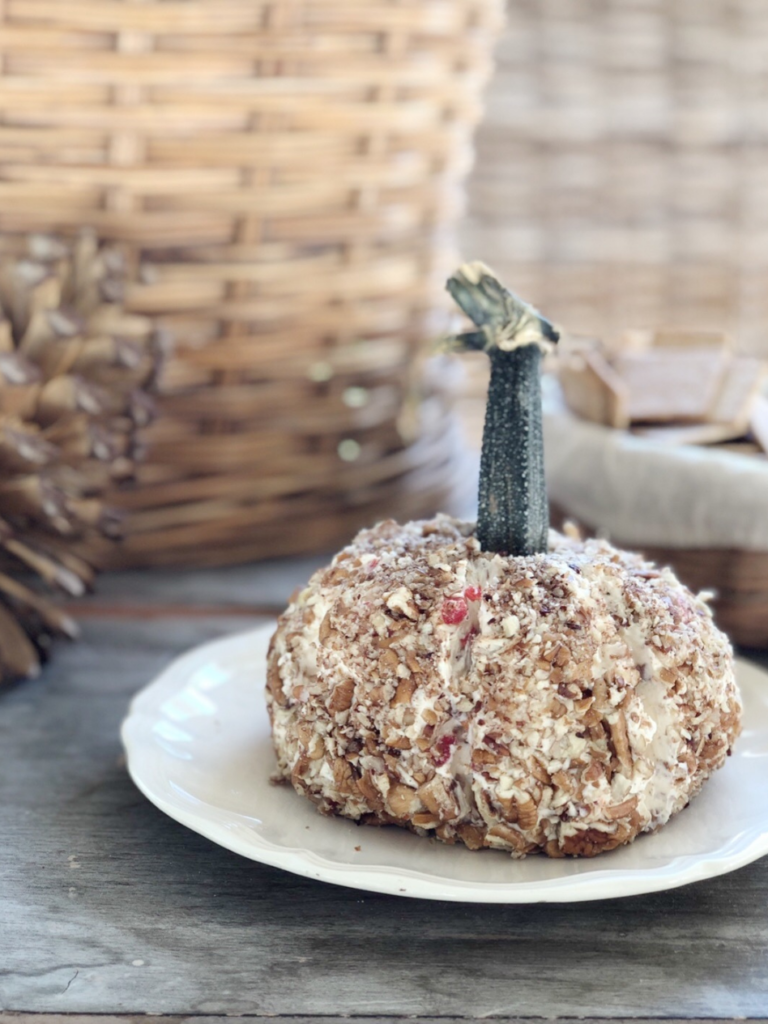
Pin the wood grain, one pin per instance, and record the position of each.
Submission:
(79, 1018)
(267, 584)
(109, 907)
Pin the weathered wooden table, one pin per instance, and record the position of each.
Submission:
(108, 907)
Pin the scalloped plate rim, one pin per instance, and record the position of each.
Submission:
(602, 883)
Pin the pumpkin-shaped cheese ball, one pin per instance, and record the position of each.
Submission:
(500, 685)
(561, 702)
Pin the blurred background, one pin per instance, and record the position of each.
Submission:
(236, 359)
(620, 177)
(620, 184)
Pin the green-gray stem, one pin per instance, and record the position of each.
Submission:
(513, 513)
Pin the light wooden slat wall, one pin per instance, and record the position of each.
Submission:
(621, 173)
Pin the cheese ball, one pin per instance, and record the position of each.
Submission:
(561, 703)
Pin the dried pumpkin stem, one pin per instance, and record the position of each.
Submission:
(513, 515)
(513, 512)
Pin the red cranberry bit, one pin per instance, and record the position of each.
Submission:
(373, 563)
(454, 610)
(444, 745)
(469, 636)
(473, 593)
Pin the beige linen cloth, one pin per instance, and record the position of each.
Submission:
(637, 492)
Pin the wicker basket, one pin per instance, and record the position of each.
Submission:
(286, 176)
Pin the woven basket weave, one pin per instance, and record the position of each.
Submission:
(286, 176)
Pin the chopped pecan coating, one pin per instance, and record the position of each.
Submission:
(580, 698)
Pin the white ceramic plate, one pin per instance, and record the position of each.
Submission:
(199, 747)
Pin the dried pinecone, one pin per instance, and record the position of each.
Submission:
(75, 370)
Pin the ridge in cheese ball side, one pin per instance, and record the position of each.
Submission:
(563, 702)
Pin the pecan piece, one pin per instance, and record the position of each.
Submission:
(341, 698)
(583, 705)
(472, 836)
(588, 842)
(388, 661)
(539, 772)
(344, 777)
(316, 748)
(552, 849)
(563, 781)
(571, 691)
(527, 812)
(509, 835)
(275, 684)
(712, 749)
(509, 806)
(617, 726)
(600, 692)
(563, 656)
(385, 642)
(621, 810)
(401, 600)
(438, 799)
(397, 742)
(371, 793)
(403, 801)
(557, 709)
(336, 576)
(597, 730)
(594, 772)
(325, 629)
(405, 691)
(413, 662)
(298, 771)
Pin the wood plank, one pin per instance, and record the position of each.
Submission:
(263, 584)
(593, 390)
(110, 907)
(692, 433)
(124, 1018)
